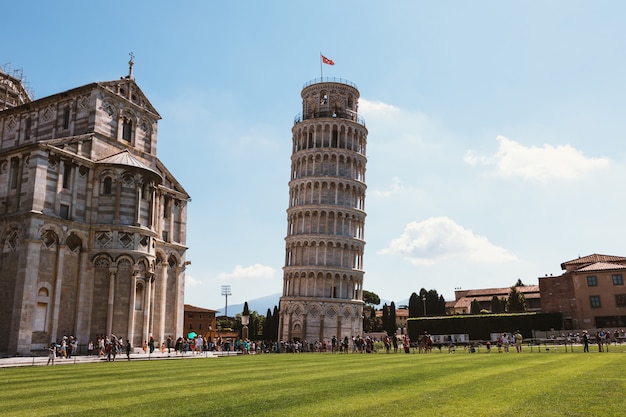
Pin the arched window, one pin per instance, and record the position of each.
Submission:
(41, 310)
(139, 296)
(127, 129)
(107, 185)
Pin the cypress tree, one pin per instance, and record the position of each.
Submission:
(414, 305)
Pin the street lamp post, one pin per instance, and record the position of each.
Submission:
(245, 319)
(424, 300)
(226, 292)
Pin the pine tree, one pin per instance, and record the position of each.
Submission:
(516, 302)
(496, 304)
(475, 307)
(392, 319)
(414, 305)
(385, 317)
(267, 325)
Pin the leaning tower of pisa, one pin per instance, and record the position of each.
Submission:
(323, 275)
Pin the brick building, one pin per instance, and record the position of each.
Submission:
(200, 320)
(589, 294)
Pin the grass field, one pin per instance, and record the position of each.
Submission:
(436, 384)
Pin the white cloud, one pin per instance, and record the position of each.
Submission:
(395, 128)
(438, 239)
(537, 163)
(247, 272)
(395, 187)
(191, 281)
(377, 107)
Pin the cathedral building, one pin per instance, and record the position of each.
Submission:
(92, 224)
(322, 293)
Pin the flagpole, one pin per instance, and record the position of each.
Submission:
(321, 71)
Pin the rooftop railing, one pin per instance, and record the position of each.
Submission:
(330, 80)
(347, 115)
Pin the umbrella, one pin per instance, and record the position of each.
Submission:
(191, 335)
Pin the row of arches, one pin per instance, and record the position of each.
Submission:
(322, 285)
(317, 309)
(324, 253)
(335, 192)
(133, 198)
(326, 222)
(336, 134)
(328, 163)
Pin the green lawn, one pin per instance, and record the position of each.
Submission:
(436, 384)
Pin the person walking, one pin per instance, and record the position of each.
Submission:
(518, 341)
(52, 351)
(585, 341)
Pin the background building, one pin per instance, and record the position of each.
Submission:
(322, 292)
(200, 321)
(92, 224)
(484, 296)
(590, 293)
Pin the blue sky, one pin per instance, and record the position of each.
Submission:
(496, 129)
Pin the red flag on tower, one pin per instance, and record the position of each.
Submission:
(327, 61)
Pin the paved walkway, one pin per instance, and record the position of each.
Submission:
(43, 360)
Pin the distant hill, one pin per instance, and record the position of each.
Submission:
(259, 304)
(269, 301)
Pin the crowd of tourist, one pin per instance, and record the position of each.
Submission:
(109, 347)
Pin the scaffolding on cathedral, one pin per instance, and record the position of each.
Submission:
(14, 90)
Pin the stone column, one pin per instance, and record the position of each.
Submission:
(82, 304)
(20, 335)
(146, 309)
(138, 186)
(162, 278)
(131, 307)
(112, 273)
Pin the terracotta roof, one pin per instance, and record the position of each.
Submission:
(590, 259)
(194, 309)
(504, 291)
(601, 266)
(467, 301)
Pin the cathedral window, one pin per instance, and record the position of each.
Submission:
(29, 124)
(64, 211)
(67, 174)
(40, 323)
(13, 173)
(66, 117)
(107, 185)
(127, 127)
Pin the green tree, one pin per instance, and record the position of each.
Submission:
(434, 303)
(414, 305)
(516, 303)
(371, 298)
(519, 283)
(385, 317)
(275, 324)
(391, 329)
(266, 327)
(475, 307)
(442, 306)
(496, 304)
